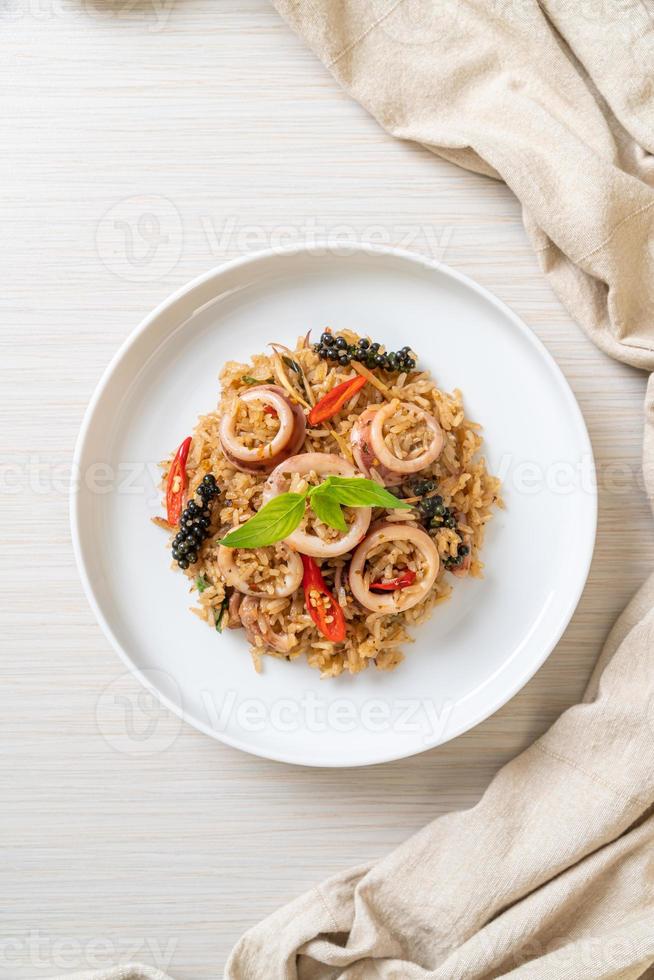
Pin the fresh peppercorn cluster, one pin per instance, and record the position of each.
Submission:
(434, 515)
(194, 523)
(462, 551)
(331, 348)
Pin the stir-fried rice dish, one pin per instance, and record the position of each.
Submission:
(333, 498)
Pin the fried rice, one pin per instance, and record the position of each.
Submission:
(459, 474)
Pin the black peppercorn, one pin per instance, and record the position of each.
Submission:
(332, 348)
(194, 523)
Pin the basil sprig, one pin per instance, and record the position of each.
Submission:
(275, 521)
(282, 515)
(353, 491)
(327, 509)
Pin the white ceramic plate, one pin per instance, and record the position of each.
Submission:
(478, 649)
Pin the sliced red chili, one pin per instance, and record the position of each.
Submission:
(334, 400)
(269, 410)
(321, 604)
(177, 483)
(403, 581)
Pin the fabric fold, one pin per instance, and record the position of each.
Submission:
(494, 87)
(129, 971)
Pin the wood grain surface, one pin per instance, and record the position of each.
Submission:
(143, 142)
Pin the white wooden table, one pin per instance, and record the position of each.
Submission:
(143, 142)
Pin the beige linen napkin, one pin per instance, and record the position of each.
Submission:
(551, 875)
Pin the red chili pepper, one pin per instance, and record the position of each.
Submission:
(401, 582)
(333, 401)
(269, 410)
(177, 483)
(321, 604)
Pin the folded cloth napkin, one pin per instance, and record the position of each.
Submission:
(551, 875)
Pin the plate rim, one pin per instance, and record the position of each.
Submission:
(342, 250)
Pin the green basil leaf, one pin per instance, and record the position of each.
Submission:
(221, 615)
(354, 491)
(274, 522)
(201, 583)
(327, 509)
